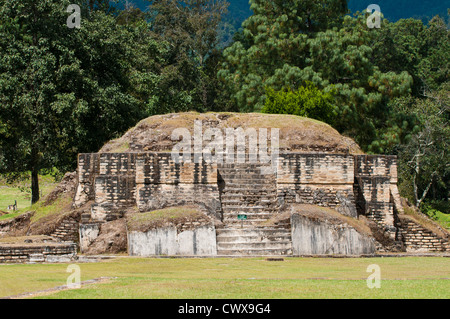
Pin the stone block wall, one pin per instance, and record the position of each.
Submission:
(64, 252)
(152, 180)
(351, 184)
(117, 181)
(88, 169)
(114, 186)
(88, 233)
(67, 230)
(198, 241)
(417, 238)
(375, 184)
(318, 179)
(160, 182)
(315, 237)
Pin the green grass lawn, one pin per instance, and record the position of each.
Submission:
(9, 194)
(12, 192)
(236, 278)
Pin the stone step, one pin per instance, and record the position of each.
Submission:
(254, 252)
(250, 176)
(245, 224)
(248, 193)
(229, 238)
(250, 215)
(260, 174)
(233, 221)
(235, 166)
(249, 203)
(253, 182)
(233, 218)
(252, 196)
(247, 209)
(256, 232)
(244, 245)
(243, 168)
(249, 190)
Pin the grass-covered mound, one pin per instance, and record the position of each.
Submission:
(297, 134)
(19, 192)
(321, 214)
(46, 215)
(437, 227)
(181, 217)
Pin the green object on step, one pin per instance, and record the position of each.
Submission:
(242, 217)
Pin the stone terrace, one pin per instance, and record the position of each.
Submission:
(241, 195)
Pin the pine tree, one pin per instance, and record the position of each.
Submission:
(287, 44)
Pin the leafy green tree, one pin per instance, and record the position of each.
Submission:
(280, 50)
(188, 77)
(434, 68)
(62, 91)
(421, 50)
(399, 126)
(131, 16)
(307, 101)
(400, 47)
(425, 158)
(272, 47)
(28, 71)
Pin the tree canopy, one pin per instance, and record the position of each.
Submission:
(65, 91)
(62, 91)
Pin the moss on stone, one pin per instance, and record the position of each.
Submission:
(167, 217)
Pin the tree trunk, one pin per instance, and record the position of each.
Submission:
(416, 173)
(34, 186)
(34, 175)
(425, 192)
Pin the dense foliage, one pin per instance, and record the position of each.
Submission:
(62, 91)
(65, 91)
(307, 101)
(279, 49)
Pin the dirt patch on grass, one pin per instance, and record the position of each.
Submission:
(49, 291)
(45, 216)
(16, 226)
(282, 218)
(181, 217)
(297, 134)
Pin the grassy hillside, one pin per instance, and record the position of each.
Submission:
(20, 192)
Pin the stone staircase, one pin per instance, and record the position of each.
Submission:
(249, 200)
(257, 241)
